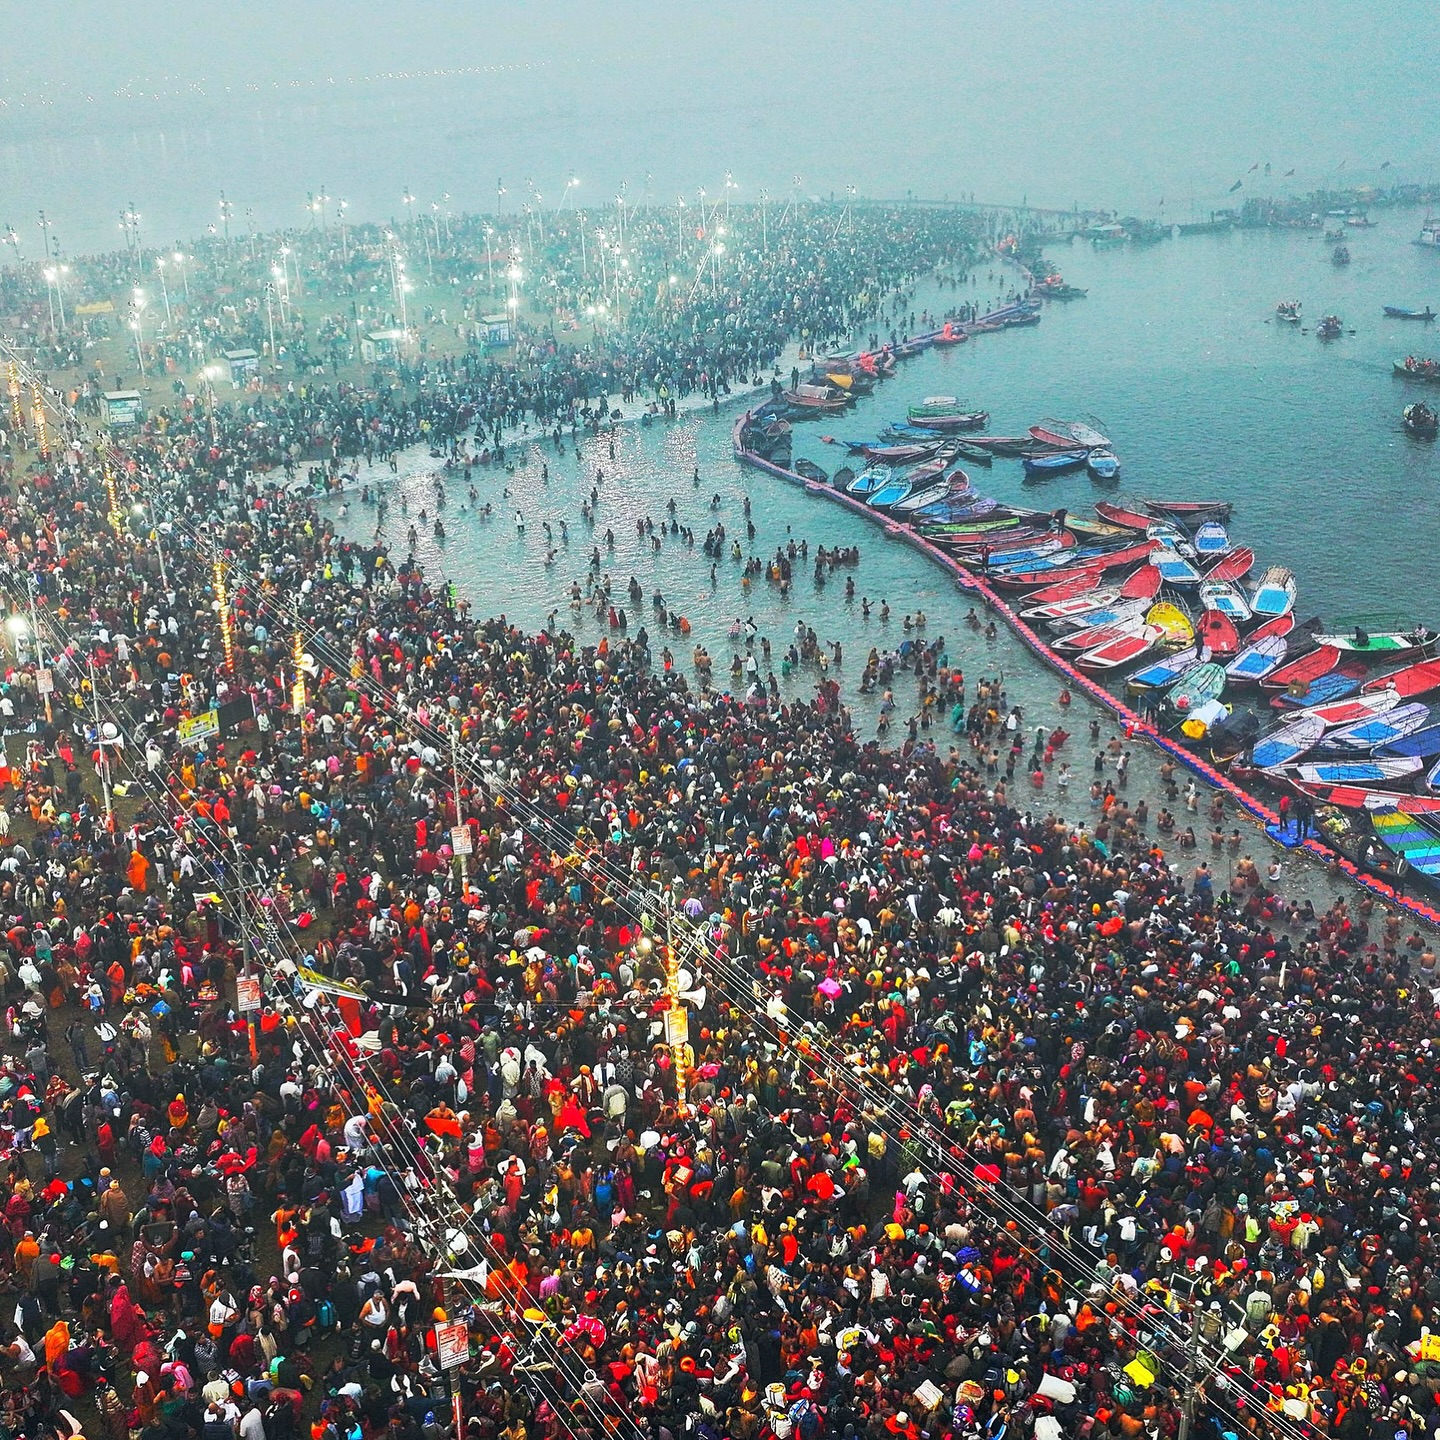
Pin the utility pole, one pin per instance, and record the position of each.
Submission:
(459, 811)
(1187, 1400)
(44, 681)
(101, 747)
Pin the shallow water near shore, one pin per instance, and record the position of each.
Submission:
(1173, 349)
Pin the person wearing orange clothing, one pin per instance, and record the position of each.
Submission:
(138, 871)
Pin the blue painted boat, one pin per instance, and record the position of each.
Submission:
(1321, 691)
(972, 510)
(1424, 743)
(868, 481)
(1256, 661)
(1174, 569)
(1380, 730)
(1287, 743)
(1055, 464)
(1001, 563)
(1103, 464)
(1165, 672)
(891, 493)
(1212, 540)
(1274, 592)
(1356, 772)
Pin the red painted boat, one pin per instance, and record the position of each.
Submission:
(1233, 565)
(1116, 559)
(1320, 661)
(1075, 586)
(1144, 584)
(1417, 679)
(1280, 625)
(1217, 631)
(1122, 651)
(1122, 515)
(1359, 797)
(1052, 437)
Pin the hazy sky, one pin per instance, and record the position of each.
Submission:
(1102, 101)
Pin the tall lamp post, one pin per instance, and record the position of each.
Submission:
(137, 324)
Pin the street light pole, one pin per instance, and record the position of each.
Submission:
(43, 681)
(164, 289)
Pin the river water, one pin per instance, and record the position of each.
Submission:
(1173, 349)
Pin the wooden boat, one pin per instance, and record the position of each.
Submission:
(890, 493)
(1053, 433)
(998, 542)
(1217, 630)
(1402, 312)
(809, 470)
(1176, 627)
(1198, 721)
(1062, 560)
(1347, 712)
(1377, 730)
(1190, 510)
(1424, 742)
(1073, 606)
(1119, 652)
(1340, 255)
(1414, 839)
(1355, 772)
(1339, 684)
(1221, 595)
(1010, 445)
(1305, 668)
(1330, 328)
(1413, 368)
(1417, 679)
(1083, 584)
(1055, 463)
(1286, 743)
(1093, 636)
(1018, 557)
(1233, 565)
(1143, 584)
(1103, 464)
(924, 495)
(1212, 540)
(960, 420)
(1231, 737)
(1257, 660)
(1421, 421)
(948, 511)
(1288, 311)
(1167, 671)
(1280, 625)
(867, 481)
(1361, 797)
(1123, 515)
(1274, 592)
(949, 334)
(1205, 682)
(1175, 569)
(1097, 529)
(815, 399)
(899, 454)
(1113, 560)
(1387, 637)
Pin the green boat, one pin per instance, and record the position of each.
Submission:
(1386, 634)
(1204, 682)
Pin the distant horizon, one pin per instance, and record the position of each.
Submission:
(1119, 104)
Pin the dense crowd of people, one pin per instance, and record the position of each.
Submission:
(979, 1122)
